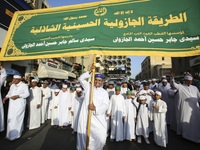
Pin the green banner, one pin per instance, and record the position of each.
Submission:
(128, 27)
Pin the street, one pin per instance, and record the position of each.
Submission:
(48, 137)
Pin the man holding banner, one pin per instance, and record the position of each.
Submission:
(99, 107)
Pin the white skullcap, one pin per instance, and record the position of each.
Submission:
(34, 80)
(118, 82)
(58, 81)
(187, 77)
(144, 81)
(137, 83)
(78, 85)
(65, 80)
(149, 80)
(56, 90)
(159, 93)
(143, 92)
(142, 97)
(64, 86)
(163, 76)
(45, 82)
(17, 77)
(78, 89)
(54, 80)
(164, 80)
(153, 79)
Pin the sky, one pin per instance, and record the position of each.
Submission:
(135, 60)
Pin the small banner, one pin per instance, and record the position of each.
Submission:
(127, 27)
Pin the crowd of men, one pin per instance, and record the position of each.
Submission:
(121, 110)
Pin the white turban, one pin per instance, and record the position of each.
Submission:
(34, 80)
(64, 86)
(159, 93)
(17, 77)
(142, 97)
(78, 89)
(164, 80)
(56, 90)
(187, 77)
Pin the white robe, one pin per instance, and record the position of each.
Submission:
(188, 111)
(98, 126)
(123, 91)
(142, 124)
(71, 118)
(16, 110)
(34, 99)
(129, 121)
(135, 92)
(159, 118)
(54, 111)
(3, 76)
(165, 97)
(173, 101)
(45, 100)
(76, 108)
(64, 102)
(53, 87)
(117, 109)
(110, 92)
(153, 86)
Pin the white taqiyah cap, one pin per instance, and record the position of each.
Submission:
(54, 80)
(159, 93)
(64, 86)
(78, 89)
(164, 80)
(56, 90)
(143, 92)
(78, 85)
(163, 76)
(58, 81)
(187, 77)
(17, 77)
(142, 97)
(153, 79)
(149, 80)
(46, 82)
(34, 80)
(65, 80)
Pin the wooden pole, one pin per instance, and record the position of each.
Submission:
(91, 101)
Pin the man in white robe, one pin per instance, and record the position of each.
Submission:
(163, 88)
(17, 103)
(46, 94)
(3, 76)
(154, 85)
(117, 112)
(158, 116)
(34, 103)
(98, 128)
(64, 107)
(76, 107)
(54, 108)
(188, 122)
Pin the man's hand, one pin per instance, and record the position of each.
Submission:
(151, 120)
(55, 107)
(109, 115)
(92, 107)
(135, 118)
(4, 100)
(123, 117)
(38, 106)
(72, 113)
(92, 67)
(151, 93)
(70, 108)
(43, 95)
(172, 74)
(15, 97)
(155, 107)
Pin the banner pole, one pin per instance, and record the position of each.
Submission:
(91, 101)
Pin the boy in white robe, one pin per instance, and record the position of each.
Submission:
(34, 103)
(142, 124)
(117, 111)
(129, 121)
(124, 88)
(54, 108)
(64, 106)
(158, 116)
(46, 94)
(76, 107)
(110, 89)
(73, 93)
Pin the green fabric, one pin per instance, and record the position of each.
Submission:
(118, 88)
(129, 92)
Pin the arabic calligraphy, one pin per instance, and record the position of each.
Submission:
(100, 11)
(123, 12)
